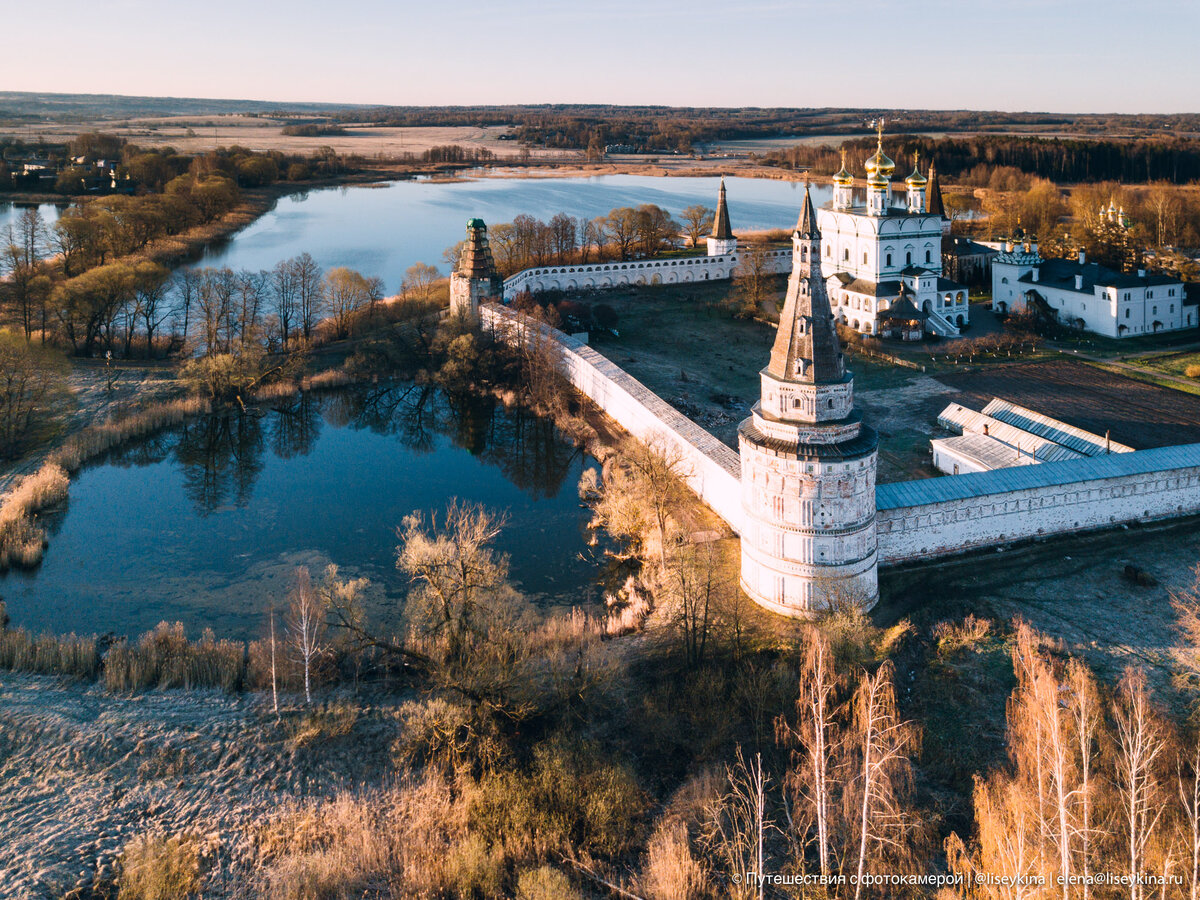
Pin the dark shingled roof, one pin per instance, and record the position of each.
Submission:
(933, 194)
(807, 223)
(722, 230)
(904, 310)
(475, 260)
(1060, 274)
(806, 330)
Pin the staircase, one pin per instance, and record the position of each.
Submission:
(940, 325)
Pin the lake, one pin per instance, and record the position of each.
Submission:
(382, 230)
(10, 212)
(206, 523)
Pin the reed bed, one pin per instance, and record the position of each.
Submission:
(49, 654)
(22, 540)
(99, 438)
(165, 658)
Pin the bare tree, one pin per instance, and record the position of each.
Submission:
(187, 283)
(1140, 742)
(697, 219)
(1188, 782)
(883, 773)
(738, 825)
(309, 294)
(285, 290)
(346, 293)
(418, 281)
(698, 589)
(306, 626)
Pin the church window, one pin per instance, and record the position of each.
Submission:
(1127, 312)
(831, 403)
(1172, 307)
(889, 259)
(1004, 280)
(908, 258)
(864, 257)
(928, 256)
(846, 255)
(1154, 310)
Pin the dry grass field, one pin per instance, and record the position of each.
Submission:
(191, 134)
(1138, 414)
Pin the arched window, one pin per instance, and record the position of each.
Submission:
(864, 257)
(889, 259)
(928, 256)
(846, 255)
(908, 258)
(1004, 280)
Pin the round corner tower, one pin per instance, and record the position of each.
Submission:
(474, 278)
(808, 461)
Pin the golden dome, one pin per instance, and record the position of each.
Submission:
(916, 179)
(876, 180)
(880, 162)
(842, 176)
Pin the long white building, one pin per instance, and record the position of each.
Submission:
(872, 248)
(1086, 295)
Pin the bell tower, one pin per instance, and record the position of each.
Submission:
(474, 278)
(808, 461)
(721, 241)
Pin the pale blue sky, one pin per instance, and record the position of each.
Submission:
(1057, 55)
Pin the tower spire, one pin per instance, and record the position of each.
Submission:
(933, 194)
(806, 348)
(722, 230)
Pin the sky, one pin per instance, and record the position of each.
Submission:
(1035, 55)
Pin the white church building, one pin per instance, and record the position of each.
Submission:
(1086, 295)
(872, 248)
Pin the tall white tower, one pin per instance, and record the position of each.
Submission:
(879, 179)
(721, 241)
(808, 461)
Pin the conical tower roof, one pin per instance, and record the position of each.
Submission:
(475, 260)
(722, 230)
(806, 346)
(933, 194)
(806, 225)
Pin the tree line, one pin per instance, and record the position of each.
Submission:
(1172, 159)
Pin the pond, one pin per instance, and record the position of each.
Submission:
(383, 229)
(206, 523)
(10, 212)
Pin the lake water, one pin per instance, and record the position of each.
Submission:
(206, 523)
(382, 230)
(10, 212)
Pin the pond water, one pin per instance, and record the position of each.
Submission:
(383, 229)
(10, 212)
(206, 523)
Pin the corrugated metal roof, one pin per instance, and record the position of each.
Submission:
(1019, 478)
(984, 450)
(1052, 429)
(957, 417)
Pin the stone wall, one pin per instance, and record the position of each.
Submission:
(988, 509)
(711, 468)
(601, 276)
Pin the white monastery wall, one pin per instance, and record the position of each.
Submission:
(996, 511)
(712, 469)
(948, 526)
(601, 276)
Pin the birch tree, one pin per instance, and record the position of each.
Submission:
(306, 626)
(1140, 743)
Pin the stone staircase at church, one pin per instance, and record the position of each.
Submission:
(940, 325)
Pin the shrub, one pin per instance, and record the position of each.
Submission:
(153, 867)
(572, 798)
(671, 871)
(952, 638)
(326, 723)
(1192, 371)
(545, 883)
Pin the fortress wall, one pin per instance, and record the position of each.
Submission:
(712, 469)
(930, 530)
(601, 276)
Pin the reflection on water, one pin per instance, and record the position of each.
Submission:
(205, 522)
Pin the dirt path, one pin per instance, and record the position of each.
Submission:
(83, 771)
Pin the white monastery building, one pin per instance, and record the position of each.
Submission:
(873, 249)
(1086, 295)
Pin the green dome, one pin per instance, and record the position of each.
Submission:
(472, 224)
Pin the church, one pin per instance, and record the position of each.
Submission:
(875, 252)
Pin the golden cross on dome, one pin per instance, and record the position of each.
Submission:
(879, 128)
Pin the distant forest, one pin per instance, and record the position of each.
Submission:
(1063, 160)
(680, 129)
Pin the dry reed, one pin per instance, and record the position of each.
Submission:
(22, 540)
(165, 658)
(99, 438)
(49, 654)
